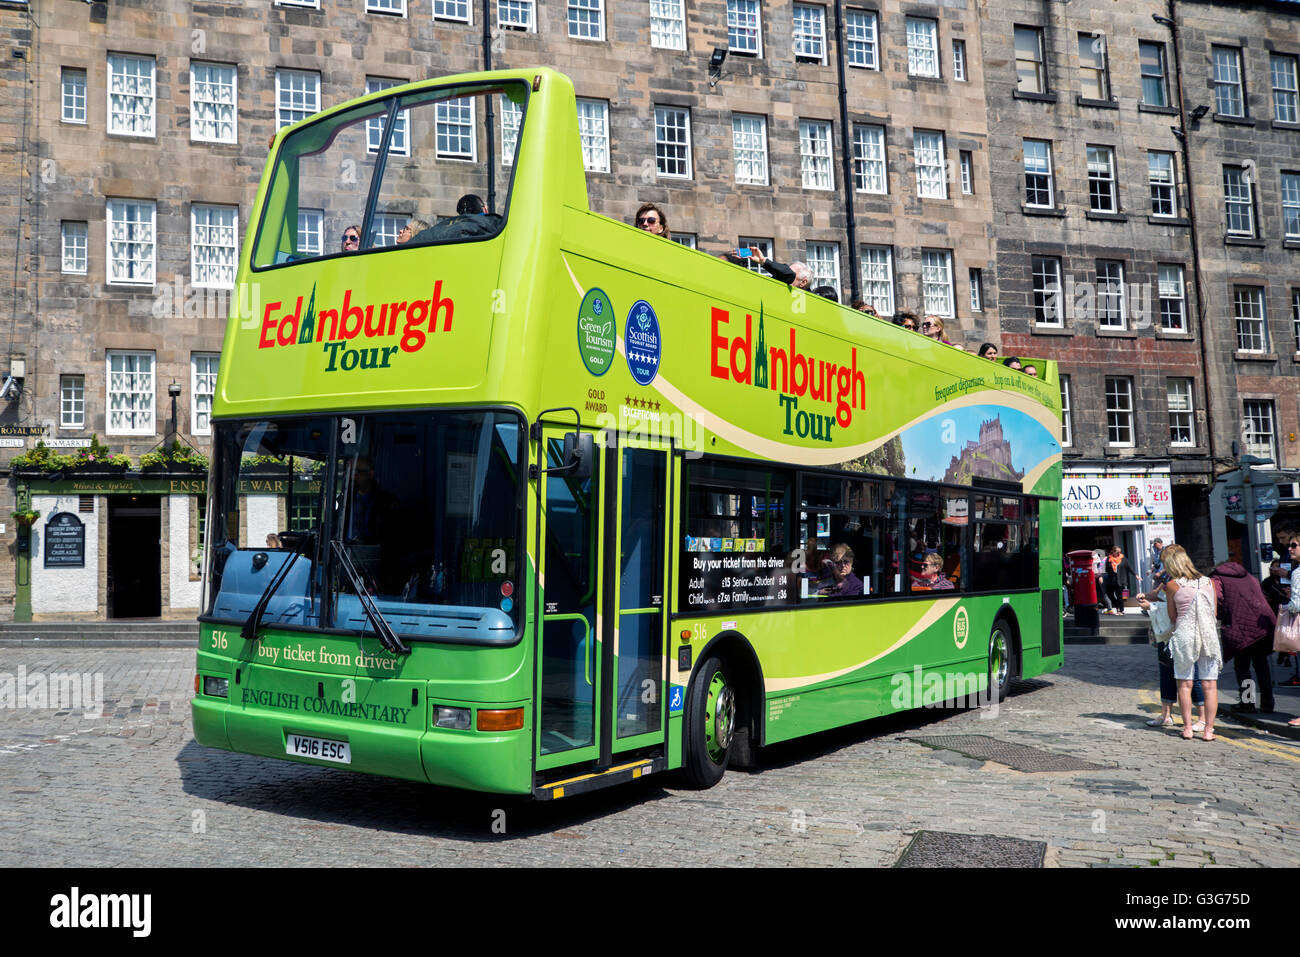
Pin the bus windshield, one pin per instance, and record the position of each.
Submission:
(335, 190)
(426, 505)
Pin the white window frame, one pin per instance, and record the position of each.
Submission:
(1254, 414)
(1106, 295)
(1171, 286)
(522, 15)
(922, 60)
(138, 88)
(1049, 290)
(668, 24)
(72, 95)
(1036, 171)
(754, 242)
(1102, 175)
(936, 279)
(313, 4)
(391, 8)
(1120, 417)
(824, 261)
(462, 11)
(72, 401)
(739, 13)
(286, 111)
(593, 131)
(862, 39)
(877, 271)
(869, 155)
(132, 231)
(966, 162)
(203, 387)
(311, 225)
(816, 167)
(1286, 109)
(1180, 399)
(959, 61)
(512, 117)
(1067, 419)
(1228, 81)
(581, 15)
(809, 36)
(142, 420)
(662, 114)
(206, 112)
(74, 237)
(1290, 184)
(1238, 194)
(386, 226)
(1163, 182)
(447, 125)
(1295, 318)
(206, 257)
(976, 283)
(400, 143)
(931, 164)
(749, 149)
(684, 239)
(1250, 319)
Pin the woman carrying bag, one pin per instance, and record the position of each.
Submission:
(1195, 641)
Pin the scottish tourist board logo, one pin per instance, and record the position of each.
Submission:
(642, 341)
(596, 332)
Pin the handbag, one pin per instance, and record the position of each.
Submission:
(1287, 636)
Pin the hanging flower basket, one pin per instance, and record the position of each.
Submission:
(26, 518)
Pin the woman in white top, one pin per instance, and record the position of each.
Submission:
(1195, 641)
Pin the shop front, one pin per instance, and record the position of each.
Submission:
(1131, 509)
(119, 546)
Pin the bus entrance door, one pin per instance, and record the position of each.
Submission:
(602, 588)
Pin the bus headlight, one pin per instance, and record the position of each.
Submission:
(216, 687)
(455, 718)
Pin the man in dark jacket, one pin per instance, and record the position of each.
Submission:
(1248, 625)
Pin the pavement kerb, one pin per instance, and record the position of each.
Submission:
(6, 642)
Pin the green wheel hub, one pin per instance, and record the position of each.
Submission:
(719, 717)
(999, 660)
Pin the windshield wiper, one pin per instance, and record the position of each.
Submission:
(387, 637)
(300, 542)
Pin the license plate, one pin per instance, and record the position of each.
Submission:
(301, 746)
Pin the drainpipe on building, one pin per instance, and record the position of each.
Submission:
(491, 129)
(1184, 141)
(846, 156)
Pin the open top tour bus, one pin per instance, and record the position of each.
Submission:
(529, 501)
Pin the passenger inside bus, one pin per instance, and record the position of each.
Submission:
(472, 220)
(844, 584)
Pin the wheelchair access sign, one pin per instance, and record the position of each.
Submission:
(676, 699)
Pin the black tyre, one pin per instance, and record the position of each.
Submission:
(710, 724)
(1002, 660)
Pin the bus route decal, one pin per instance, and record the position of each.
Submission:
(643, 344)
(596, 332)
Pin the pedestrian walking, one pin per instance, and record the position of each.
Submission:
(1247, 634)
(1195, 641)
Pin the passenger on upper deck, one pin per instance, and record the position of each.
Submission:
(906, 319)
(410, 229)
(932, 328)
(1011, 362)
(1030, 370)
(351, 239)
(651, 219)
(797, 275)
(827, 292)
(472, 220)
(989, 351)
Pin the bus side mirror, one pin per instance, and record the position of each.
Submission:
(579, 453)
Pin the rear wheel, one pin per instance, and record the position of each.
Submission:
(1001, 661)
(710, 724)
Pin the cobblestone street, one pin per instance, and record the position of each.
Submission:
(132, 788)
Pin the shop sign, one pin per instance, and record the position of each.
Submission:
(22, 430)
(1115, 497)
(65, 541)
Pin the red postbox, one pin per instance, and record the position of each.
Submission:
(1083, 581)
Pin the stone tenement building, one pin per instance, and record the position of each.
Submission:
(135, 133)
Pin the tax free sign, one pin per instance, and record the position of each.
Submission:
(1089, 498)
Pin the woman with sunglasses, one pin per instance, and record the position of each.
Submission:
(932, 328)
(905, 319)
(840, 565)
(652, 219)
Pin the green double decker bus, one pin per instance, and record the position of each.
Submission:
(509, 496)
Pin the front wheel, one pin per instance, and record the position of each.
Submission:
(710, 724)
(1001, 662)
